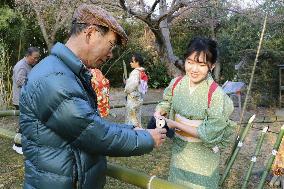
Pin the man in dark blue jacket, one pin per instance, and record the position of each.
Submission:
(64, 140)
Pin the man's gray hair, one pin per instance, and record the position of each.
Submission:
(30, 50)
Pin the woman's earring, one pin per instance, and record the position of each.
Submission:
(209, 74)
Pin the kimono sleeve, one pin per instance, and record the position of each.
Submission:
(165, 105)
(217, 129)
(132, 82)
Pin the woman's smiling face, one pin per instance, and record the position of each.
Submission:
(197, 68)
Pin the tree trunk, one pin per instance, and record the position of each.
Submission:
(167, 50)
(166, 46)
(213, 11)
(166, 40)
(160, 29)
(43, 30)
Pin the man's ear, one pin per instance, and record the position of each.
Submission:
(88, 32)
(87, 36)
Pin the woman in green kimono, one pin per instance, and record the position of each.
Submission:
(199, 111)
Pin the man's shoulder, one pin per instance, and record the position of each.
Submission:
(50, 65)
(51, 58)
(21, 64)
(22, 61)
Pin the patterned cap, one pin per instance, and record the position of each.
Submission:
(91, 14)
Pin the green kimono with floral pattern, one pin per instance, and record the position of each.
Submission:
(195, 164)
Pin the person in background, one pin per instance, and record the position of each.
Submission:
(199, 111)
(65, 141)
(20, 74)
(135, 89)
(21, 71)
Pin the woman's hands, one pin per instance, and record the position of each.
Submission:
(171, 124)
(188, 126)
(161, 115)
(157, 114)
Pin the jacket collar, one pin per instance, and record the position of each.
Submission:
(71, 60)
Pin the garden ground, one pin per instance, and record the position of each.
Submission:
(157, 162)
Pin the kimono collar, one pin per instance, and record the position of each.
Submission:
(140, 69)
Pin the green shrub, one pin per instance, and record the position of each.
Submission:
(5, 78)
(265, 86)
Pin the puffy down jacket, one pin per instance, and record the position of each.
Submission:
(64, 139)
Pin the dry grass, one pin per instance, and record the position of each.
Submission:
(11, 172)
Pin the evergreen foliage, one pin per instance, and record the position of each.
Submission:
(236, 33)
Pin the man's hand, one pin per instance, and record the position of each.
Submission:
(158, 135)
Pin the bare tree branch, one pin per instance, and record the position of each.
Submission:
(173, 16)
(141, 16)
(174, 2)
(51, 15)
(58, 25)
(142, 5)
(154, 6)
(123, 6)
(170, 12)
(41, 25)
